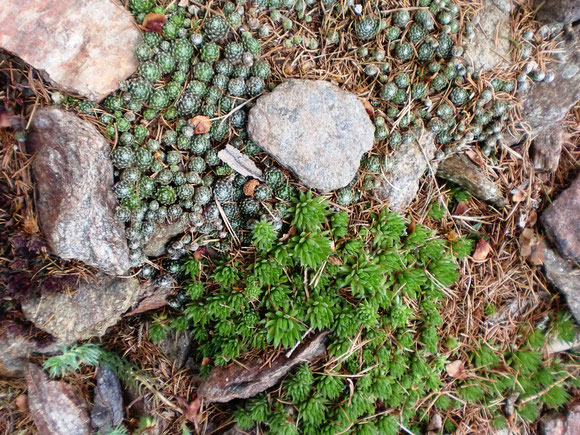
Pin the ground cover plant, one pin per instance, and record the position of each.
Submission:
(408, 302)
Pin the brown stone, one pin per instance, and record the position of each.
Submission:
(156, 246)
(237, 381)
(462, 171)
(17, 342)
(85, 47)
(73, 177)
(562, 223)
(87, 312)
(55, 407)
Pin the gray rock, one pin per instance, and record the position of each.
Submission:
(54, 405)
(547, 146)
(153, 295)
(314, 129)
(399, 182)
(557, 11)
(73, 176)
(490, 47)
(84, 47)
(565, 277)
(107, 409)
(18, 342)
(177, 347)
(567, 423)
(87, 312)
(548, 103)
(157, 245)
(462, 171)
(237, 381)
(562, 224)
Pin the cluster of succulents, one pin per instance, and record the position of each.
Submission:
(168, 169)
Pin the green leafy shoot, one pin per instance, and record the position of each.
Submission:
(71, 359)
(263, 235)
(309, 212)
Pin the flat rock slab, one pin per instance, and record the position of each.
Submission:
(462, 171)
(399, 183)
(565, 277)
(87, 312)
(236, 381)
(55, 407)
(490, 46)
(18, 342)
(557, 11)
(548, 103)
(73, 176)
(562, 224)
(107, 409)
(314, 129)
(84, 46)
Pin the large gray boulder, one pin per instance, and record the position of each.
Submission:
(314, 129)
(557, 11)
(73, 177)
(85, 47)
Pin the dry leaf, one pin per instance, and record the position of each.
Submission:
(461, 208)
(22, 403)
(518, 195)
(205, 361)
(527, 239)
(452, 236)
(368, 107)
(153, 22)
(537, 258)
(474, 157)
(335, 261)
(239, 162)
(532, 218)
(411, 227)
(456, 369)
(289, 234)
(201, 123)
(250, 186)
(481, 250)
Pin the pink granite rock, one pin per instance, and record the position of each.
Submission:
(84, 46)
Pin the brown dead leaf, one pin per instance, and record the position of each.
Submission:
(334, 260)
(192, 411)
(289, 234)
(527, 239)
(200, 253)
(532, 218)
(22, 403)
(205, 361)
(481, 250)
(153, 22)
(456, 369)
(289, 69)
(368, 107)
(452, 236)
(411, 227)
(201, 123)
(537, 258)
(475, 157)
(519, 195)
(461, 208)
(250, 186)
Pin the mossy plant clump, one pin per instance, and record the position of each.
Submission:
(378, 290)
(195, 70)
